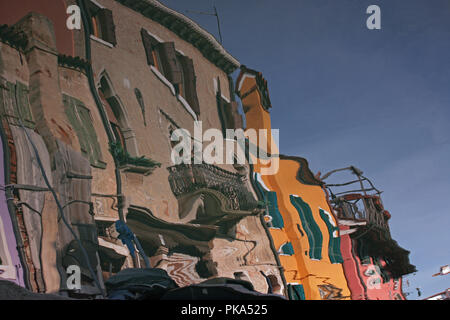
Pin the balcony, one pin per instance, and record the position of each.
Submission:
(362, 207)
(224, 195)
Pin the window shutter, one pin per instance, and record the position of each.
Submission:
(149, 44)
(91, 136)
(71, 113)
(23, 105)
(80, 119)
(107, 25)
(190, 83)
(14, 102)
(7, 98)
(296, 292)
(169, 61)
(274, 211)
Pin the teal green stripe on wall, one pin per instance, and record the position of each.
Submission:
(310, 226)
(334, 244)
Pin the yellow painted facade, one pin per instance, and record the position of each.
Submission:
(321, 279)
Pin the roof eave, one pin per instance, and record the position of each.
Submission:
(186, 29)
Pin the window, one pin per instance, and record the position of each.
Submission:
(102, 23)
(174, 66)
(188, 86)
(151, 50)
(14, 103)
(80, 119)
(163, 56)
(117, 131)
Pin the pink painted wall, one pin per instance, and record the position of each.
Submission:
(12, 11)
(365, 281)
(391, 290)
(351, 268)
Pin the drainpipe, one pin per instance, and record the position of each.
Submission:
(110, 134)
(90, 75)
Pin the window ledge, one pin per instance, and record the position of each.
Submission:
(99, 164)
(117, 248)
(163, 79)
(187, 107)
(136, 169)
(172, 89)
(106, 43)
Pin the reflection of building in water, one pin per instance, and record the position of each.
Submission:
(373, 262)
(86, 118)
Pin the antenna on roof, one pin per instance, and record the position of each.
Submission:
(215, 13)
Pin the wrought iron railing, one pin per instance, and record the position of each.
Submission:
(363, 203)
(360, 207)
(188, 178)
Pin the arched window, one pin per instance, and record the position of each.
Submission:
(117, 116)
(114, 123)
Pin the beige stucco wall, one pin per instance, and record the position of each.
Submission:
(125, 64)
(126, 67)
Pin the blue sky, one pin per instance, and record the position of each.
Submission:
(345, 95)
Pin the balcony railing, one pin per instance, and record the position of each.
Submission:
(363, 203)
(362, 207)
(188, 178)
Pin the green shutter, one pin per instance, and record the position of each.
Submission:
(23, 105)
(86, 120)
(70, 109)
(5, 98)
(296, 292)
(274, 212)
(287, 249)
(80, 119)
(334, 244)
(14, 103)
(270, 197)
(310, 226)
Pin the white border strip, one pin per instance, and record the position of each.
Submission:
(154, 36)
(246, 75)
(163, 79)
(106, 43)
(261, 182)
(98, 4)
(187, 107)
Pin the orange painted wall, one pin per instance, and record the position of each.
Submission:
(299, 268)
